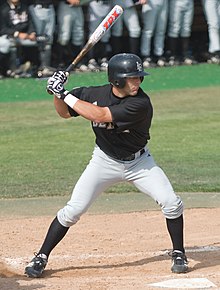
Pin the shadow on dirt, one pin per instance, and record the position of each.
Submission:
(10, 280)
(206, 256)
(110, 266)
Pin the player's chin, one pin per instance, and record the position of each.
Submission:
(133, 92)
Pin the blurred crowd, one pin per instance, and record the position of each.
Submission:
(37, 37)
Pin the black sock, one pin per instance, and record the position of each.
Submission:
(175, 229)
(55, 234)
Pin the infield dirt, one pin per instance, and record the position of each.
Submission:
(110, 251)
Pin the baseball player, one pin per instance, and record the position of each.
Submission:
(131, 20)
(98, 55)
(43, 15)
(154, 17)
(70, 25)
(120, 115)
(212, 14)
(181, 14)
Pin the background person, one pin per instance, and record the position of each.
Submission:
(131, 21)
(154, 17)
(99, 54)
(212, 14)
(181, 14)
(43, 15)
(70, 24)
(17, 32)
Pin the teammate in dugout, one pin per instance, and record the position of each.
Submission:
(120, 115)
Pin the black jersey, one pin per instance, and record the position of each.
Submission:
(132, 115)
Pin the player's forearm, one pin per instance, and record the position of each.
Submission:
(61, 108)
(92, 112)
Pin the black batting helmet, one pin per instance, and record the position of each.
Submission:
(122, 66)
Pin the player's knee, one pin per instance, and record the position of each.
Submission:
(173, 209)
(135, 33)
(69, 215)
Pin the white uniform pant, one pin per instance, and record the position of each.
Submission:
(212, 13)
(154, 18)
(70, 24)
(180, 18)
(97, 12)
(103, 172)
(131, 21)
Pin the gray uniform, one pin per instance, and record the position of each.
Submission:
(180, 18)
(212, 13)
(181, 14)
(154, 18)
(43, 15)
(131, 20)
(70, 24)
(97, 11)
(129, 17)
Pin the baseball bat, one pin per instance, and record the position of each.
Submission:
(103, 27)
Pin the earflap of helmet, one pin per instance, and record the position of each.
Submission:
(119, 83)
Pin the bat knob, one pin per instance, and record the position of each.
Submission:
(49, 92)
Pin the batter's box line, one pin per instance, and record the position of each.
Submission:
(21, 261)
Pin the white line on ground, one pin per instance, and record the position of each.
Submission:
(16, 262)
(185, 283)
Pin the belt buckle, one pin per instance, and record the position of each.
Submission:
(129, 158)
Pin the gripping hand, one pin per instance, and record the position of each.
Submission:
(55, 84)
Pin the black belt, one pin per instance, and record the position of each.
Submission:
(133, 155)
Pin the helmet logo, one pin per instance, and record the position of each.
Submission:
(139, 66)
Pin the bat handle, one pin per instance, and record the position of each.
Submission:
(69, 68)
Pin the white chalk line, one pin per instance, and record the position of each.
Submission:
(20, 261)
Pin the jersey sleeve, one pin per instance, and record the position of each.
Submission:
(81, 95)
(131, 111)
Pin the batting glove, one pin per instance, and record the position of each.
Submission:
(55, 84)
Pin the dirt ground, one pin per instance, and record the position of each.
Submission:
(111, 251)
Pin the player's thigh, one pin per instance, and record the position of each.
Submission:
(149, 21)
(99, 175)
(175, 16)
(117, 28)
(151, 180)
(64, 21)
(132, 23)
(162, 17)
(78, 26)
(50, 24)
(212, 12)
(186, 26)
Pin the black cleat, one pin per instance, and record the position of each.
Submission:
(180, 263)
(36, 266)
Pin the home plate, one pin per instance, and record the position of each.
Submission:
(185, 283)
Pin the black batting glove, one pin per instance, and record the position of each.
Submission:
(55, 84)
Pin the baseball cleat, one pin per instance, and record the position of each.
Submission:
(93, 65)
(36, 266)
(46, 72)
(180, 263)
(104, 64)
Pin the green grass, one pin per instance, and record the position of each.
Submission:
(203, 75)
(44, 155)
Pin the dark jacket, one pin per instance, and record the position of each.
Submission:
(15, 18)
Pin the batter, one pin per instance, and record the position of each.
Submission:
(120, 115)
